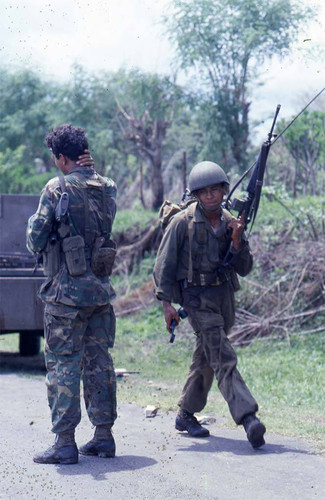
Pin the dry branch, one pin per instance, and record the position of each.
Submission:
(129, 254)
(289, 301)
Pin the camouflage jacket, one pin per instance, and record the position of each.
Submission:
(86, 289)
(208, 250)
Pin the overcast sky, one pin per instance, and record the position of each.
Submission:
(49, 36)
(99, 34)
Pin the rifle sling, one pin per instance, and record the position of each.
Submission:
(190, 227)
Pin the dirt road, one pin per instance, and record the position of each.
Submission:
(153, 460)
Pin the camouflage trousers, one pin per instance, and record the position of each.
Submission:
(211, 314)
(76, 346)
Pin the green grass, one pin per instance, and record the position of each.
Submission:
(9, 342)
(141, 273)
(278, 214)
(288, 381)
(133, 221)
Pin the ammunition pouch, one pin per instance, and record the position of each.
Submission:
(73, 248)
(51, 257)
(102, 258)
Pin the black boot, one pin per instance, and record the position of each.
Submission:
(64, 450)
(102, 444)
(185, 421)
(254, 429)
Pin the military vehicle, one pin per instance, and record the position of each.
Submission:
(21, 311)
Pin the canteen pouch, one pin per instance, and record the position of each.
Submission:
(102, 258)
(51, 258)
(74, 250)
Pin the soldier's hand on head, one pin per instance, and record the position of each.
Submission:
(237, 226)
(85, 160)
(170, 313)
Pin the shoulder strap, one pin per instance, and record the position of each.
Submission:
(63, 204)
(86, 208)
(105, 226)
(189, 213)
(227, 215)
(61, 211)
(88, 239)
(62, 184)
(105, 212)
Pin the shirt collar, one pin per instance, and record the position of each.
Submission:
(84, 170)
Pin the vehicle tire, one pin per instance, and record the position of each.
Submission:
(29, 344)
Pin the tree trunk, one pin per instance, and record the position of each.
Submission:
(157, 185)
(184, 164)
(141, 182)
(239, 136)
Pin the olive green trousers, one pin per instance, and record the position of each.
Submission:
(211, 314)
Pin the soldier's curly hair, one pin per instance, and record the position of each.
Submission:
(67, 140)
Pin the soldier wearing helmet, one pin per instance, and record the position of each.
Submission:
(190, 270)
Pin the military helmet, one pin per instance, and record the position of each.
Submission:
(204, 174)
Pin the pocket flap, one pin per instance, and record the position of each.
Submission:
(73, 243)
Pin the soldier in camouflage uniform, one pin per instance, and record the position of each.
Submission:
(189, 260)
(79, 321)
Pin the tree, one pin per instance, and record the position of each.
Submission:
(25, 111)
(225, 44)
(156, 122)
(18, 176)
(147, 104)
(305, 142)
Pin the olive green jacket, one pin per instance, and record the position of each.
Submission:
(208, 250)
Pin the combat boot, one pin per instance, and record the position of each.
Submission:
(64, 450)
(102, 444)
(255, 430)
(185, 421)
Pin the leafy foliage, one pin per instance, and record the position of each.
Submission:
(30, 107)
(305, 141)
(225, 43)
(131, 222)
(19, 176)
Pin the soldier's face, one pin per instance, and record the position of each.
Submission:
(211, 196)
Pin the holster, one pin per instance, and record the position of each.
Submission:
(51, 257)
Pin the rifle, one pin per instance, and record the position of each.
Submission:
(250, 204)
(254, 189)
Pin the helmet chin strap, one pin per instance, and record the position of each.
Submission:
(215, 208)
